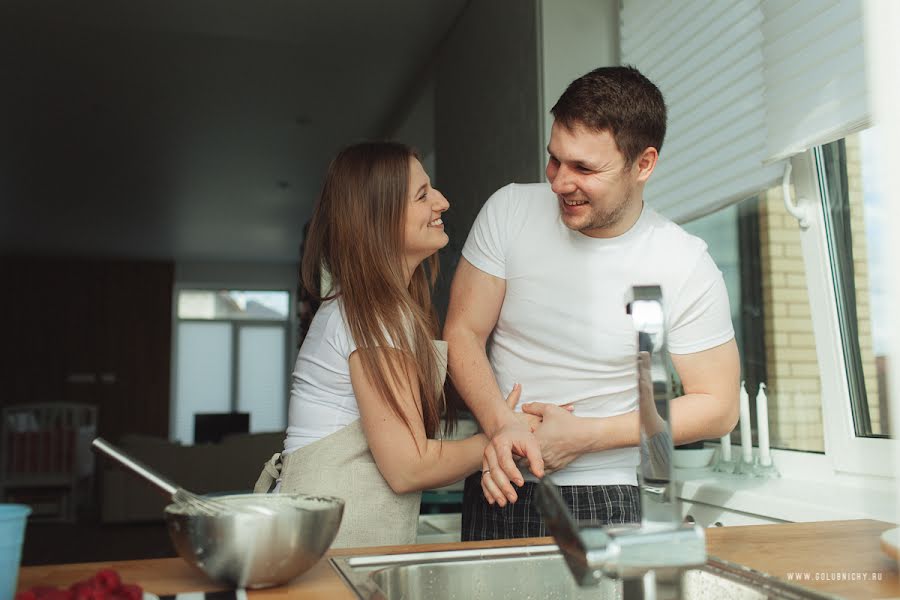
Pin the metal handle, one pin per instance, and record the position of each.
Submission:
(134, 465)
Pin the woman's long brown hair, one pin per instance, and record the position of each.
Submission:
(356, 236)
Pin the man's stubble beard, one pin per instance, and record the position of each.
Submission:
(611, 218)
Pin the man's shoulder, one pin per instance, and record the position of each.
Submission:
(519, 192)
(666, 232)
(528, 189)
(670, 248)
(522, 198)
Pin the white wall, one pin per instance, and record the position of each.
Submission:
(577, 36)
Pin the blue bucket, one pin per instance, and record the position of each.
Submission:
(12, 533)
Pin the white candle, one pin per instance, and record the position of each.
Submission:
(726, 447)
(762, 425)
(746, 436)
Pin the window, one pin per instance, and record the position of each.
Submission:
(233, 305)
(855, 232)
(231, 350)
(756, 244)
(804, 298)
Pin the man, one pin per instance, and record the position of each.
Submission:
(544, 275)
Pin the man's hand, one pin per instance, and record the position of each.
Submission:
(558, 445)
(529, 421)
(495, 482)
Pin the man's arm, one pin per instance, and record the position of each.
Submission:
(708, 409)
(475, 301)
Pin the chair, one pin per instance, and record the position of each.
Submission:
(46, 453)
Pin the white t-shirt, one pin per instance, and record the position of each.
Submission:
(322, 399)
(563, 332)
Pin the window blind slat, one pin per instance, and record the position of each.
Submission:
(695, 18)
(726, 71)
(747, 84)
(719, 132)
(708, 63)
(710, 199)
(721, 154)
(816, 89)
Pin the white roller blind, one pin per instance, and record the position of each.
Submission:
(707, 59)
(816, 89)
(747, 83)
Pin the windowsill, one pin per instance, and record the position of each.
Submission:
(808, 490)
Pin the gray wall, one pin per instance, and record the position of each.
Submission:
(416, 127)
(480, 111)
(487, 112)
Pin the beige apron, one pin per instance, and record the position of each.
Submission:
(341, 465)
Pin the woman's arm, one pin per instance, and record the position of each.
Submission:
(410, 461)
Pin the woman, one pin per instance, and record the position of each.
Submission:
(367, 394)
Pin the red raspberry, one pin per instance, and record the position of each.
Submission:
(26, 595)
(82, 590)
(130, 591)
(54, 594)
(108, 579)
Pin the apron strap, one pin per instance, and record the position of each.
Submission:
(269, 476)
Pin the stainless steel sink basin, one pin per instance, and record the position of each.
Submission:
(532, 573)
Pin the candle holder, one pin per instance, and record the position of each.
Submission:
(723, 465)
(745, 468)
(764, 471)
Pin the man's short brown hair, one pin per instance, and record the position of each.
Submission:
(619, 100)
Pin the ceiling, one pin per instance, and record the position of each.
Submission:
(193, 130)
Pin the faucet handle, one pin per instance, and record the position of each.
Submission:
(583, 549)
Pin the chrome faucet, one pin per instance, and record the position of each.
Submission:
(647, 558)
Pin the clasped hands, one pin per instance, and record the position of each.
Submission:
(538, 438)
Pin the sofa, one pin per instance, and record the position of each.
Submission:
(231, 465)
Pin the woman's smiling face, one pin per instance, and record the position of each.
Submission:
(424, 231)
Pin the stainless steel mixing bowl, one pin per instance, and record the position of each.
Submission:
(268, 539)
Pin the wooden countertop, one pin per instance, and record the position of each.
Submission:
(831, 554)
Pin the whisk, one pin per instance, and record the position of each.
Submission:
(180, 496)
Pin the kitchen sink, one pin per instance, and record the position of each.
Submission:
(532, 573)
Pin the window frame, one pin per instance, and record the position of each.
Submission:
(846, 452)
(289, 324)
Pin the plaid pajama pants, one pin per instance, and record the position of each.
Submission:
(603, 504)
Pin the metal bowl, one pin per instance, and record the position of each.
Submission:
(268, 539)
